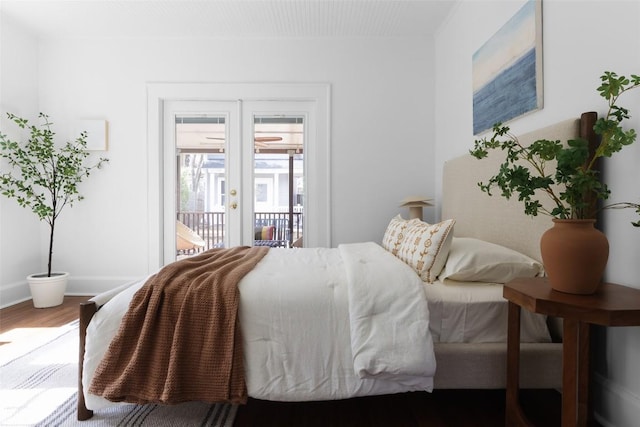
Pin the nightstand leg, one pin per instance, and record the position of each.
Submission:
(584, 367)
(513, 413)
(575, 373)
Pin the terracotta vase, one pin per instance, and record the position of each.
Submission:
(574, 254)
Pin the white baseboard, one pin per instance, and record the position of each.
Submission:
(614, 406)
(15, 293)
(81, 285)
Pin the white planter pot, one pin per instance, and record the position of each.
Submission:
(47, 291)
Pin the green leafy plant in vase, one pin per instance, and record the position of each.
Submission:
(566, 173)
(44, 177)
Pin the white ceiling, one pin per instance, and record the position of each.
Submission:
(228, 18)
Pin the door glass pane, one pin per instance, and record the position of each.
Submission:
(200, 199)
(278, 180)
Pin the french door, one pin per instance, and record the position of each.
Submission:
(234, 165)
(201, 158)
(161, 156)
(274, 162)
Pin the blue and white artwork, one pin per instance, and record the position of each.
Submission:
(507, 70)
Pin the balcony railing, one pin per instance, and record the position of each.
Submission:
(210, 225)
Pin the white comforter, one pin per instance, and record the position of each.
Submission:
(317, 324)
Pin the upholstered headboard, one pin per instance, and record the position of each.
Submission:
(492, 218)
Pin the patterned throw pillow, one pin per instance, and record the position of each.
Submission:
(426, 247)
(395, 233)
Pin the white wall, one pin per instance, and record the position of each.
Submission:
(384, 110)
(381, 130)
(581, 40)
(20, 251)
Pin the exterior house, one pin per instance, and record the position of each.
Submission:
(400, 105)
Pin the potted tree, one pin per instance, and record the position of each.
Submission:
(573, 185)
(45, 179)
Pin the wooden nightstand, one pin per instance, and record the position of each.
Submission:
(611, 305)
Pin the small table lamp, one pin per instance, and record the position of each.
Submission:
(415, 205)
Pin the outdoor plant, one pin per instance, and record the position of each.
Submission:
(525, 171)
(44, 177)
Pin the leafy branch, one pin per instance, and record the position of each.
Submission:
(626, 205)
(572, 183)
(42, 177)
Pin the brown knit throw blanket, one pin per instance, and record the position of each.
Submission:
(178, 341)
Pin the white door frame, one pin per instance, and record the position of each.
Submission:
(318, 168)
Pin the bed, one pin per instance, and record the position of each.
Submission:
(325, 331)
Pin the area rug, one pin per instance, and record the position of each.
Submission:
(38, 387)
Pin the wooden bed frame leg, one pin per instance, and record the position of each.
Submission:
(87, 310)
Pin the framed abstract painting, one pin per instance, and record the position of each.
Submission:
(507, 70)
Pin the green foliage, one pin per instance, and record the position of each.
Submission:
(43, 177)
(572, 184)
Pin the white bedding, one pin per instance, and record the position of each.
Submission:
(475, 312)
(297, 333)
(389, 316)
(311, 336)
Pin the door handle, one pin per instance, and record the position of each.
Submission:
(234, 205)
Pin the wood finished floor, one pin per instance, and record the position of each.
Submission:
(442, 408)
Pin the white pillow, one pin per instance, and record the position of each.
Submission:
(426, 246)
(395, 233)
(474, 260)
